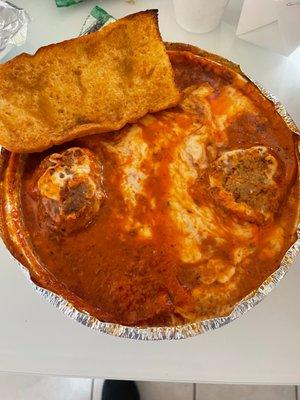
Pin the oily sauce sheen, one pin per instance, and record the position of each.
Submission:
(174, 233)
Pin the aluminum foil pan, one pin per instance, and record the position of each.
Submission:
(187, 330)
(193, 329)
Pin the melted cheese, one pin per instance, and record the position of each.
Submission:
(131, 152)
(193, 143)
(229, 104)
(58, 174)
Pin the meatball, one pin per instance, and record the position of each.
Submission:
(70, 190)
(245, 181)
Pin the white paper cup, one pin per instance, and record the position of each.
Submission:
(199, 16)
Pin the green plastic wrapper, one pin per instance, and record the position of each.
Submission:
(67, 3)
(96, 20)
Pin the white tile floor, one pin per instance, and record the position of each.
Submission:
(245, 392)
(35, 387)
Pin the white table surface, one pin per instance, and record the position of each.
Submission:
(261, 347)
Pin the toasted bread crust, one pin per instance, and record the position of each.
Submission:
(92, 84)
